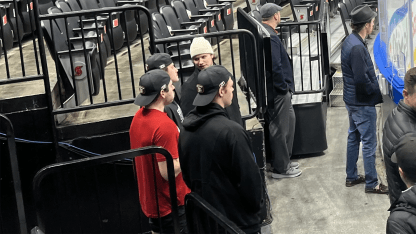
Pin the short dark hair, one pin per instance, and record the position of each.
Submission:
(410, 81)
(410, 178)
(358, 27)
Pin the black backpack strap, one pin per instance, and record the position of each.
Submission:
(405, 207)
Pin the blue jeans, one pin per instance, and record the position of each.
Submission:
(362, 129)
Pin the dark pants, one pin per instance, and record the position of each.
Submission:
(166, 223)
(282, 132)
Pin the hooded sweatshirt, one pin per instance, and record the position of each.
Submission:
(403, 213)
(217, 163)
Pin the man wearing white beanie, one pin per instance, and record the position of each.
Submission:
(203, 57)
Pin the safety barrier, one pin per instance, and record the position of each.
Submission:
(72, 197)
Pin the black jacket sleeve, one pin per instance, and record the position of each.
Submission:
(246, 171)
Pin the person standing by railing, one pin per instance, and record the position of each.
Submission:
(152, 126)
(281, 119)
(361, 94)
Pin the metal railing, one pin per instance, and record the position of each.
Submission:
(204, 218)
(11, 144)
(67, 179)
(222, 39)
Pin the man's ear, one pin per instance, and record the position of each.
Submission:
(405, 93)
(162, 93)
(221, 91)
(401, 173)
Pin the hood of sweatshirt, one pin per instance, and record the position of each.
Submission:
(199, 115)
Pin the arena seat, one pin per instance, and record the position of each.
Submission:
(43, 6)
(195, 14)
(173, 23)
(141, 18)
(113, 28)
(345, 18)
(7, 35)
(185, 19)
(128, 21)
(15, 22)
(226, 11)
(25, 10)
(197, 7)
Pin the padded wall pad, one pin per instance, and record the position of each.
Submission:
(310, 130)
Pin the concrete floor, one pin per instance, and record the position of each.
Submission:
(315, 202)
(318, 201)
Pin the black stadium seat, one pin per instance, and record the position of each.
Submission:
(113, 23)
(141, 18)
(197, 7)
(44, 5)
(15, 22)
(7, 35)
(226, 7)
(201, 21)
(173, 23)
(127, 20)
(25, 10)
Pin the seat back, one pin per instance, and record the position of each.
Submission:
(218, 16)
(161, 24)
(44, 5)
(256, 15)
(128, 21)
(350, 5)
(170, 16)
(7, 35)
(152, 6)
(190, 6)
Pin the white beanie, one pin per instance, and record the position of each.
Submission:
(200, 46)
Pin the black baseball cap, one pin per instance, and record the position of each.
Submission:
(209, 82)
(405, 154)
(362, 14)
(150, 85)
(158, 61)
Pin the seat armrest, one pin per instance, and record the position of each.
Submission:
(216, 5)
(183, 30)
(209, 10)
(230, 1)
(191, 23)
(200, 16)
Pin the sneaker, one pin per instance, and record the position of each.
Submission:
(380, 189)
(360, 179)
(292, 172)
(294, 165)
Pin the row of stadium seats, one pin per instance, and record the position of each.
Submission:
(346, 6)
(184, 17)
(17, 20)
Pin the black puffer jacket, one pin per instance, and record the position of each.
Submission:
(217, 163)
(401, 120)
(403, 214)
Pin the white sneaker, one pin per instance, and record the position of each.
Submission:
(292, 172)
(294, 165)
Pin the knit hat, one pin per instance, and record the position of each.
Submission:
(200, 46)
(210, 80)
(150, 85)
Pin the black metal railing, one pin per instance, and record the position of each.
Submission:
(64, 191)
(222, 39)
(204, 218)
(117, 89)
(11, 144)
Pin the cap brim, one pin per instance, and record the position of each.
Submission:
(394, 157)
(203, 100)
(143, 100)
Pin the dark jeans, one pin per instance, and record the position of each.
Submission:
(282, 132)
(166, 223)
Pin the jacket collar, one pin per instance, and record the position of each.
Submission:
(360, 38)
(407, 109)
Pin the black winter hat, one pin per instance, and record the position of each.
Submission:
(362, 14)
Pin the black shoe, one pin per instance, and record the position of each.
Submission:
(382, 189)
(360, 179)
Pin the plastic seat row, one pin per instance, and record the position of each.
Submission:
(346, 6)
(80, 45)
(184, 17)
(17, 20)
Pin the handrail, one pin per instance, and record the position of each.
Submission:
(176, 39)
(15, 172)
(98, 160)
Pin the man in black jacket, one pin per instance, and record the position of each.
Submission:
(164, 62)
(401, 120)
(203, 57)
(216, 156)
(403, 212)
(281, 120)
